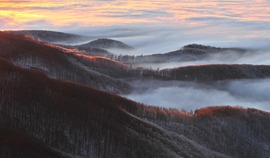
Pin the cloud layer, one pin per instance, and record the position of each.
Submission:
(190, 96)
(167, 24)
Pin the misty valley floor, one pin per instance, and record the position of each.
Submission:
(191, 95)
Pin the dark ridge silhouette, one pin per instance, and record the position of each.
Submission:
(199, 46)
(210, 73)
(187, 53)
(105, 44)
(212, 49)
(97, 47)
(91, 51)
(190, 52)
(52, 36)
(63, 63)
(80, 121)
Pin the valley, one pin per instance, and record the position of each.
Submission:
(59, 98)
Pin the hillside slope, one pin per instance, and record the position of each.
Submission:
(211, 73)
(57, 62)
(14, 144)
(192, 52)
(49, 107)
(81, 121)
(53, 36)
(238, 132)
(104, 43)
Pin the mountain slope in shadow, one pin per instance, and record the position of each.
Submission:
(15, 144)
(191, 52)
(61, 63)
(56, 117)
(210, 73)
(77, 120)
(82, 121)
(53, 36)
(104, 43)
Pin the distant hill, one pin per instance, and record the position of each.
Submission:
(206, 50)
(190, 52)
(100, 47)
(211, 73)
(53, 36)
(57, 62)
(88, 50)
(107, 74)
(105, 44)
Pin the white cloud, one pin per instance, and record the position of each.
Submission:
(190, 96)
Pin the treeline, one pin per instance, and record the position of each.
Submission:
(101, 73)
(207, 73)
(81, 121)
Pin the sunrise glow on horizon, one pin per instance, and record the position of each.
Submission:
(230, 21)
(29, 13)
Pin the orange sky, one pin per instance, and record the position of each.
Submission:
(27, 14)
(196, 20)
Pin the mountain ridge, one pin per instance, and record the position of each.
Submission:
(59, 109)
(52, 99)
(52, 36)
(105, 43)
(63, 63)
(70, 104)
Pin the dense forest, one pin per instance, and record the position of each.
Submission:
(58, 102)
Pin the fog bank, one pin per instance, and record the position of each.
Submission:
(254, 57)
(190, 96)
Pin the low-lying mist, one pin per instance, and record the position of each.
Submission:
(163, 38)
(261, 57)
(190, 96)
